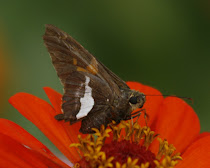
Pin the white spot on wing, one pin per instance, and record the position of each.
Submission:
(87, 101)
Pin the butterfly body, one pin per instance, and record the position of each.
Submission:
(92, 93)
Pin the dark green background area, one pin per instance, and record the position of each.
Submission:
(163, 44)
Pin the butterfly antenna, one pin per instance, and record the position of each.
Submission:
(181, 97)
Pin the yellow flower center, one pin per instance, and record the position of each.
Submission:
(129, 148)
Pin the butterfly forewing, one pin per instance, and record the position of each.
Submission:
(68, 56)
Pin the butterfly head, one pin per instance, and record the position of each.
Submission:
(136, 100)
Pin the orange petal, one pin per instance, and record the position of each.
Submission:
(42, 115)
(197, 154)
(56, 101)
(152, 103)
(16, 154)
(177, 123)
(203, 135)
(20, 135)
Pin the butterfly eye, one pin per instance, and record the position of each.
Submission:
(133, 100)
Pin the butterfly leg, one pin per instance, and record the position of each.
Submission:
(59, 117)
(134, 115)
(146, 116)
(137, 114)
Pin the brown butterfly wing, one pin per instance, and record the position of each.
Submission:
(120, 83)
(74, 65)
(68, 55)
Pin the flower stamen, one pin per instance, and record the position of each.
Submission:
(128, 149)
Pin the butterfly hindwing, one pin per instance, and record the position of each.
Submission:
(82, 97)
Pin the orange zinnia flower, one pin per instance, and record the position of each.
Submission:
(170, 117)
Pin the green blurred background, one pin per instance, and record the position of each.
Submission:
(164, 44)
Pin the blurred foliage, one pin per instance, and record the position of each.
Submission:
(164, 44)
(4, 71)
